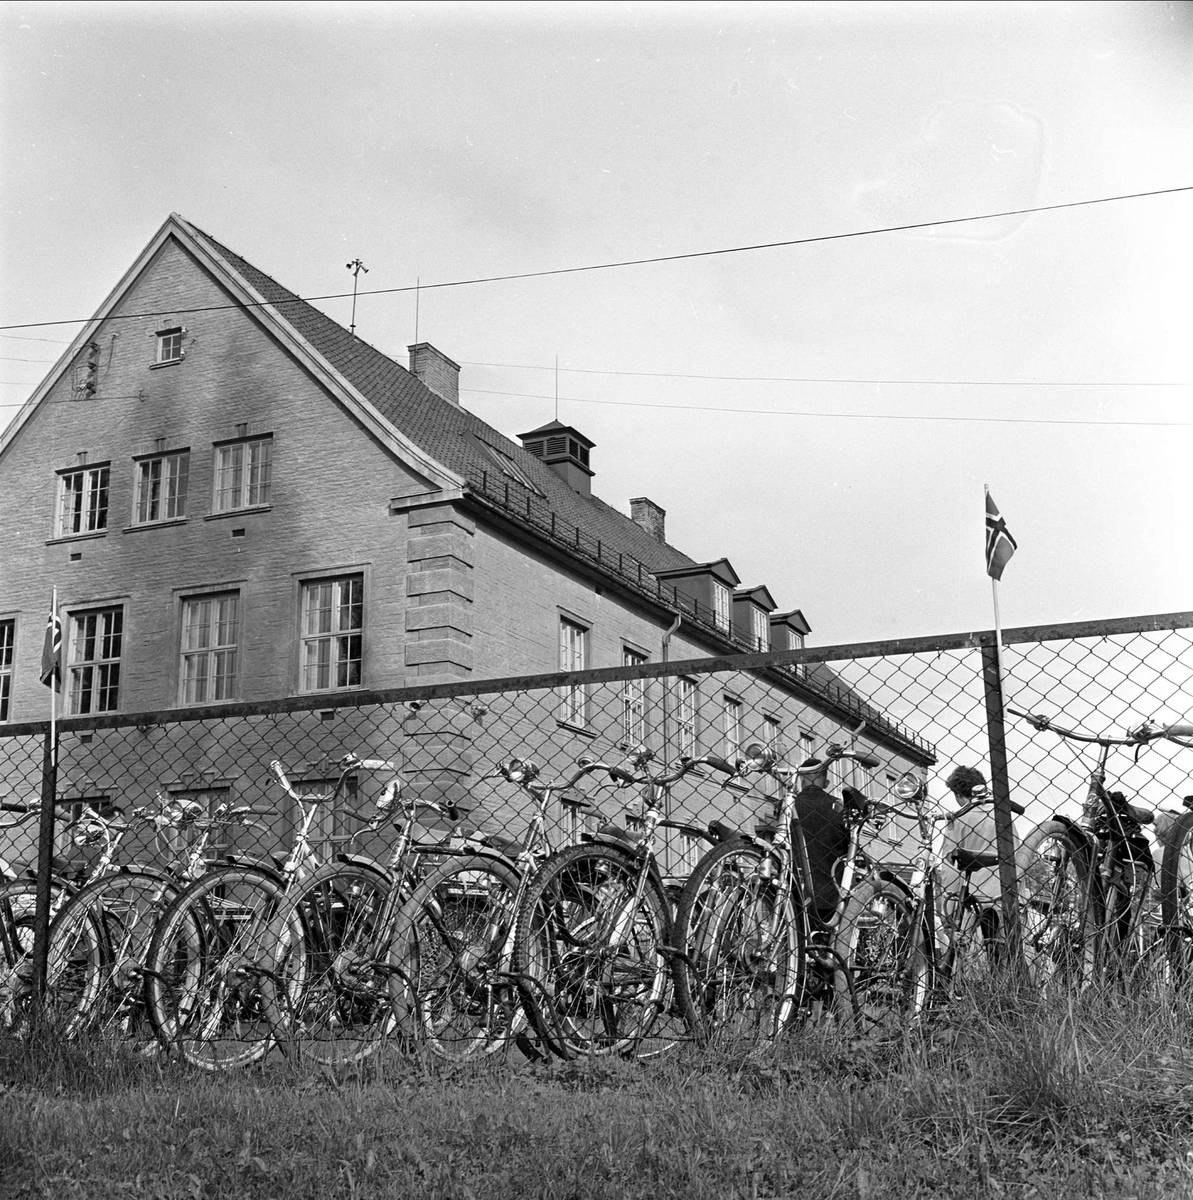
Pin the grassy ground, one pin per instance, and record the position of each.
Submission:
(1005, 1098)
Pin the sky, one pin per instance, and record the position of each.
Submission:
(826, 414)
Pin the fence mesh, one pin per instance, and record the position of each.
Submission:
(923, 703)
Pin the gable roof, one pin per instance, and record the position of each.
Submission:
(440, 428)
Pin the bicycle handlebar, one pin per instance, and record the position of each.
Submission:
(1147, 732)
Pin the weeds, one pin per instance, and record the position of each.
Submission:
(1005, 1096)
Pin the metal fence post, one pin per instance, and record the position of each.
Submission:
(1004, 827)
(45, 863)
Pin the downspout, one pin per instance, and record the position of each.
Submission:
(666, 653)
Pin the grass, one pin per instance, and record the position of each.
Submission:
(1006, 1096)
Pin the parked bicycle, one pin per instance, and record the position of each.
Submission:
(757, 951)
(593, 942)
(1086, 885)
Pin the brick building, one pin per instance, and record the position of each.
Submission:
(238, 500)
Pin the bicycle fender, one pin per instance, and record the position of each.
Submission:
(363, 860)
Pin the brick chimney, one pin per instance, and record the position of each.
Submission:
(436, 370)
(650, 516)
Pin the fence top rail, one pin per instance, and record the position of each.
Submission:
(759, 661)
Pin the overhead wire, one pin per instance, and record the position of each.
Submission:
(635, 262)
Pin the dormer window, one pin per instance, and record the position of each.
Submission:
(760, 628)
(720, 604)
(169, 345)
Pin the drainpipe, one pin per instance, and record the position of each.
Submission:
(666, 652)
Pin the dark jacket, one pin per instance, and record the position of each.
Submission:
(822, 818)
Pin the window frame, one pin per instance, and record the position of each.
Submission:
(243, 492)
(335, 637)
(731, 725)
(574, 652)
(760, 627)
(8, 643)
(106, 667)
(142, 467)
(633, 699)
(211, 655)
(93, 503)
(687, 706)
(722, 606)
(169, 339)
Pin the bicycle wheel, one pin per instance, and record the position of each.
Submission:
(740, 973)
(1060, 905)
(98, 947)
(882, 939)
(18, 907)
(975, 950)
(206, 960)
(450, 958)
(326, 990)
(592, 955)
(1176, 898)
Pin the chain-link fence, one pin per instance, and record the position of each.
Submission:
(925, 704)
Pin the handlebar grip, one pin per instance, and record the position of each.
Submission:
(866, 760)
(1178, 731)
(1017, 809)
(720, 764)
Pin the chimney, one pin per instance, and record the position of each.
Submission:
(436, 370)
(650, 516)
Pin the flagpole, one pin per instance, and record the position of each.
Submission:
(1000, 789)
(54, 694)
(51, 659)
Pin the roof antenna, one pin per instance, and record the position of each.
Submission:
(355, 266)
(557, 387)
(417, 282)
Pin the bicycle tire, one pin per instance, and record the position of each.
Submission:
(592, 960)
(450, 959)
(1176, 898)
(18, 910)
(1061, 914)
(205, 963)
(98, 946)
(326, 994)
(976, 950)
(739, 975)
(883, 940)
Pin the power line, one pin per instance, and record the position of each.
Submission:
(788, 412)
(636, 262)
(832, 379)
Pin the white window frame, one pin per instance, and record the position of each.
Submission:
(95, 649)
(633, 700)
(83, 500)
(722, 604)
(8, 641)
(686, 702)
(731, 712)
(243, 476)
(573, 656)
(169, 345)
(160, 487)
(331, 648)
(760, 625)
(209, 656)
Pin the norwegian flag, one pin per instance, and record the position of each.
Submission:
(1000, 545)
(51, 652)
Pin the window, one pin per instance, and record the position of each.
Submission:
(772, 737)
(633, 701)
(332, 624)
(760, 625)
(333, 824)
(8, 633)
(807, 746)
(732, 718)
(721, 601)
(210, 635)
(169, 344)
(243, 474)
(83, 501)
(220, 840)
(573, 647)
(685, 716)
(161, 488)
(93, 660)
